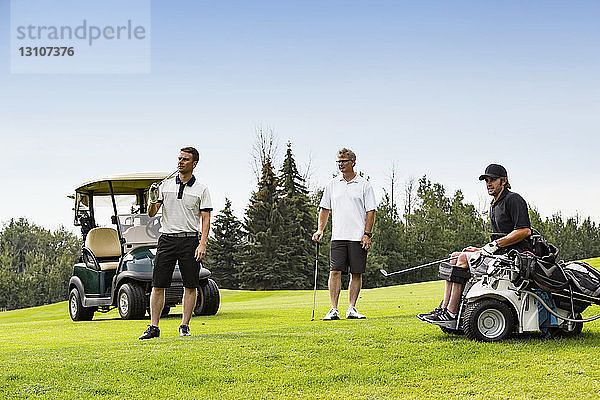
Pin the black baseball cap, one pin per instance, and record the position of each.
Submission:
(494, 171)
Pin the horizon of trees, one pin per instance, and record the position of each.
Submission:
(272, 247)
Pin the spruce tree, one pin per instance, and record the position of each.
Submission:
(259, 269)
(389, 247)
(295, 254)
(225, 248)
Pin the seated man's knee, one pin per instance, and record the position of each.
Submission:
(463, 260)
(454, 273)
(454, 256)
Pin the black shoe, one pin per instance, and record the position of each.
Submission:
(440, 318)
(184, 330)
(429, 314)
(151, 332)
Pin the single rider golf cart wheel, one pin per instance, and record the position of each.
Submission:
(131, 301)
(207, 302)
(77, 311)
(488, 320)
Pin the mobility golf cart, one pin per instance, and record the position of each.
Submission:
(115, 268)
(515, 289)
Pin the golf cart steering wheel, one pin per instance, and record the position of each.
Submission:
(153, 226)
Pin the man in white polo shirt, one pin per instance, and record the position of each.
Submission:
(351, 200)
(186, 215)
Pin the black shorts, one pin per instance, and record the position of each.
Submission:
(171, 250)
(347, 255)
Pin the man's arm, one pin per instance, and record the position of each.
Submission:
(153, 208)
(323, 216)
(201, 249)
(517, 209)
(514, 237)
(369, 221)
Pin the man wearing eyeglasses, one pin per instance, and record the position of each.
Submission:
(351, 200)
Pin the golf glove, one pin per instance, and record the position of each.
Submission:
(490, 248)
(153, 193)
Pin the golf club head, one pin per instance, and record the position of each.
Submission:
(383, 272)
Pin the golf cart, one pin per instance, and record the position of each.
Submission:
(516, 289)
(115, 268)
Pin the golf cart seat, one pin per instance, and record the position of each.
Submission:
(105, 248)
(136, 234)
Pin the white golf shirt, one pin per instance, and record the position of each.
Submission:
(181, 205)
(349, 203)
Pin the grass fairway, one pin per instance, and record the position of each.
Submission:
(262, 345)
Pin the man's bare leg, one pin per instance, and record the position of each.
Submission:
(455, 298)
(335, 287)
(448, 286)
(189, 302)
(454, 302)
(354, 288)
(157, 303)
(447, 294)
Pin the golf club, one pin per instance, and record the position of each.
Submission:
(315, 289)
(157, 184)
(385, 273)
(176, 171)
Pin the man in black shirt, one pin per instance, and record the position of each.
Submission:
(511, 230)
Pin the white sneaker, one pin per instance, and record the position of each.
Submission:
(331, 315)
(353, 313)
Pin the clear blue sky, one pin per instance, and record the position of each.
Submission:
(438, 88)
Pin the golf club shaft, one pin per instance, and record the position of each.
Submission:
(176, 171)
(421, 266)
(315, 288)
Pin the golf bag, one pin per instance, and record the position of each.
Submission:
(576, 280)
(539, 266)
(584, 278)
(544, 250)
(540, 272)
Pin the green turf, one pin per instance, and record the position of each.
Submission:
(594, 262)
(262, 345)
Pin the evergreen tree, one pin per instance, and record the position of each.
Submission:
(429, 229)
(259, 269)
(435, 226)
(389, 249)
(35, 264)
(466, 223)
(297, 224)
(225, 247)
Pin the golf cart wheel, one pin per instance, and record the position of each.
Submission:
(488, 320)
(76, 309)
(131, 301)
(207, 302)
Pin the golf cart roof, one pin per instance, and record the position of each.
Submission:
(122, 183)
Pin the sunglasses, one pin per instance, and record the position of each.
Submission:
(342, 161)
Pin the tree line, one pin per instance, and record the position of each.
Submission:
(35, 264)
(271, 246)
